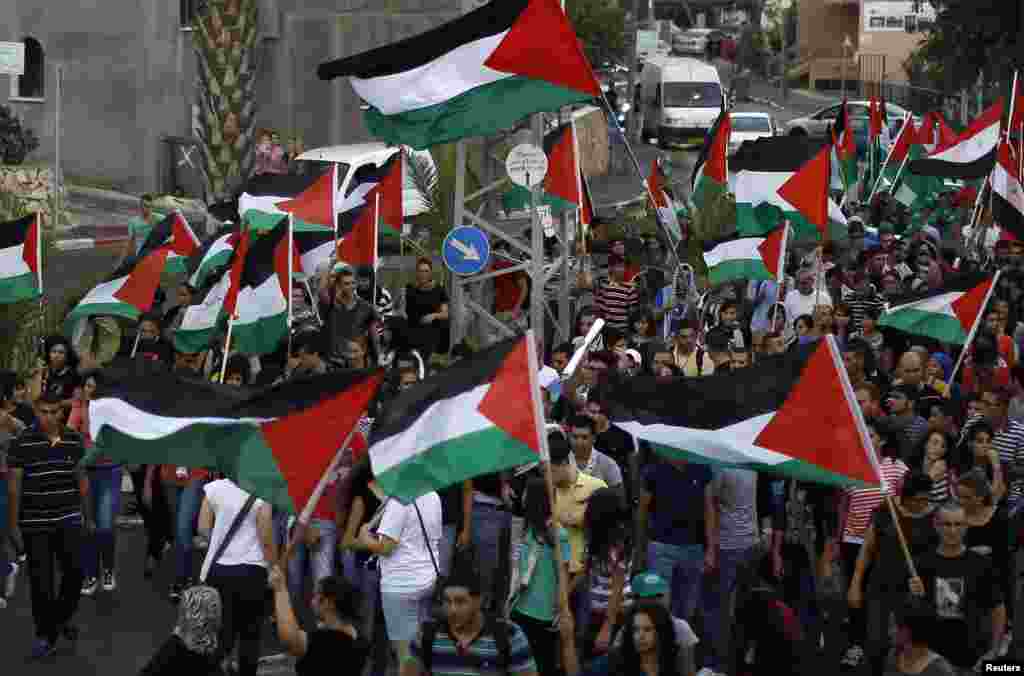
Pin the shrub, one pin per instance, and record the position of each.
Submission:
(16, 141)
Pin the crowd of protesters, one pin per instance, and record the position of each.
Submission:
(673, 566)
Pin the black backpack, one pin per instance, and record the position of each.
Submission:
(493, 626)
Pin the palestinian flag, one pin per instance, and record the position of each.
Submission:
(173, 234)
(710, 176)
(129, 292)
(913, 191)
(477, 417)
(310, 199)
(1016, 121)
(258, 300)
(201, 323)
(21, 259)
(374, 198)
(935, 132)
(315, 250)
(746, 257)
(474, 76)
(214, 255)
(561, 188)
(784, 175)
(876, 127)
(972, 155)
(947, 315)
(898, 152)
(1007, 192)
(792, 414)
(663, 202)
(844, 149)
(275, 443)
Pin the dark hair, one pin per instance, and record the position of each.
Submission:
(50, 397)
(628, 659)
(558, 448)
(980, 426)
(606, 523)
(728, 305)
(55, 340)
(238, 364)
(583, 421)
(563, 348)
(612, 336)
(152, 317)
(423, 260)
(614, 260)
(343, 596)
(718, 339)
(8, 379)
(644, 313)
(916, 482)
(465, 574)
(537, 508)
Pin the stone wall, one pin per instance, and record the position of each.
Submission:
(592, 133)
(33, 184)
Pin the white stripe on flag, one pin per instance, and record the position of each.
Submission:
(140, 424)
(266, 300)
(12, 262)
(453, 73)
(731, 444)
(971, 149)
(734, 250)
(941, 304)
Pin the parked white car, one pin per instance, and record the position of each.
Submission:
(817, 124)
(750, 127)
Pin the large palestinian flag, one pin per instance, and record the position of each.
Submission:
(792, 414)
(710, 176)
(311, 199)
(129, 292)
(947, 315)
(275, 443)
(1007, 192)
(173, 234)
(476, 417)
(258, 300)
(202, 322)
(788, 176)
(214, 255)
(374, 200)
(474, 76)
(972, 155)
(21, 259)
(746, 257)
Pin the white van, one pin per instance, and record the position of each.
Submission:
(350, 158)
(680, 99)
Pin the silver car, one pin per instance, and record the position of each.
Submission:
(818, 124)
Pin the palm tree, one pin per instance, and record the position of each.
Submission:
(224, 114)
(436, 182)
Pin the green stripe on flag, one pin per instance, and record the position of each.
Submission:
(454, 460)
(738, 269)
(19, 288)
(262, 336)
(520, 198)
(938, 325)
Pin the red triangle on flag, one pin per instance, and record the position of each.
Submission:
(237, 267)
(183, 241)
(315, 204)
(654, 184)
(391, 191)
(305, 443)
(715, 166)
(359, 245)
(968, 306)
(771, 249)
(807, 189)
(561, 177)
(139, 288)
(30, 249)
(542, 45)
(508, 403)
(817, 425)
(281, 264)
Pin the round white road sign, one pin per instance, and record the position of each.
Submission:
(526, 165)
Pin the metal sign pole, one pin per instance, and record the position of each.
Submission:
(58, 182)
(458, 314)
(537, 242)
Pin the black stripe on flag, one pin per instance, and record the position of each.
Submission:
(259, 261)
(398, 57)
(150, 387)
(958, 283)
(775, 154)
(968, 171)
(280, 185)
(458, 378)
(14, 233)
(197, 259)
(710, 403)
(705, 150)
(366, 175)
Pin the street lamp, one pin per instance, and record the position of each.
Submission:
(847, 46)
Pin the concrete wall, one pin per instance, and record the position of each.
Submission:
(129, 74)
(822, 27)
(895, 46)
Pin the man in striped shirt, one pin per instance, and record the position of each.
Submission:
(616, 299)
(48, 498)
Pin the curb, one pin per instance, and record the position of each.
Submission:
(87, 243)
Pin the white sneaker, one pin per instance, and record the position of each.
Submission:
(12, 580)
(853, 657)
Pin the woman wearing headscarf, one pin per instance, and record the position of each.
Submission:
(193, 646)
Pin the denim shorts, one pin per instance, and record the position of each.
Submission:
(403, 613)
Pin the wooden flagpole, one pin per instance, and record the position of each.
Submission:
(227, 346)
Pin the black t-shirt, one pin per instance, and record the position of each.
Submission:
(345, 323)
(616, 444)
(889, 574)
(963, 591)
(451, 505)
(155, 350)
(328, 651)
(173, 659)
(422, 302)
(63, 383)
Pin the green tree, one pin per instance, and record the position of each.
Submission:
(600, 27)
(970, 37)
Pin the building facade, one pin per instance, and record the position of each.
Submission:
(129, 76)
(865, 40)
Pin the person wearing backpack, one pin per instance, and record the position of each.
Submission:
(466, 641)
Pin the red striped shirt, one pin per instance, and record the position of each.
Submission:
(864, 501)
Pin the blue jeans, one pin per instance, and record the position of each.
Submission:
(683, 567)
(718, 594)
(320, 561)
(489, 525)
(184, 504)
(105, 495)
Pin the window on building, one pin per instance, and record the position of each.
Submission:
(190, 9)
(31, 85)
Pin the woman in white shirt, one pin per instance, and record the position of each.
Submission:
(240, 574)
(408, 564)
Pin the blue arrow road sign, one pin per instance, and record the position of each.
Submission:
(466, 250)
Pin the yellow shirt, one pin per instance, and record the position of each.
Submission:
(570, 506)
